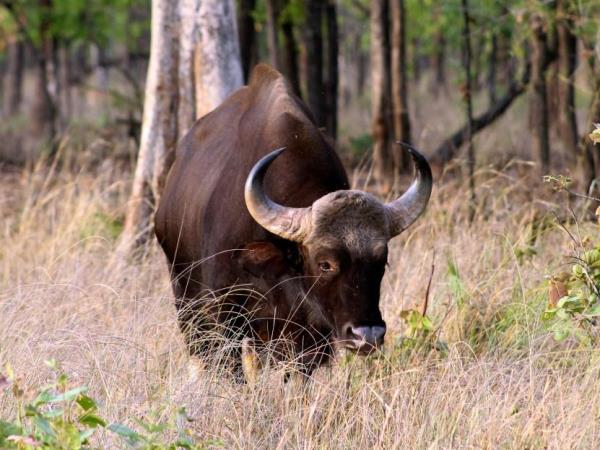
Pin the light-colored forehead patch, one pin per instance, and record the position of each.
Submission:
(354, 218)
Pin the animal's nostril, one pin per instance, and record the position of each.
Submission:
(378, 334)
(349, 332)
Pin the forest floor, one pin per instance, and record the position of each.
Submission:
(488, 375)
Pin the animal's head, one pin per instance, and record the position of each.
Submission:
(343, 239)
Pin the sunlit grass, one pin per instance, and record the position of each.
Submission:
(490, 374)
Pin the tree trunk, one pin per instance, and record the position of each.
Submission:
(469, 106)
(217, 71)
(217, 67)
(439, 59)
(13, 80)
(362, 65)
(159, 126)
(332, 69)
(290, 57)
(44, 108)
(314, 55)
(380, 96)
(247, 35)
(99, 97)
(539, 97)
(64, 72)
(587, 147)
(492, 71)
(447, 149)
(476, 62)
(399, 88)
(189, 34)
(416, 59)
(589, 151)
(273, 32)
(506, 61)
(567, 62)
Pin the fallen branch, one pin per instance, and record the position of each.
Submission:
(447, 150)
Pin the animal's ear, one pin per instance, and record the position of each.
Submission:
(262, 259)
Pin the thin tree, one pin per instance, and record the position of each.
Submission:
(313, 42)
(468, 90)
(492, 70)
(211, 36)
(159, 126)
(567, 62)
(439, 59)
(13, 80)
(273, 9)
(217, 67)
(44, 108)
(401, 116)
(380, 105)
(290, 52)
(187, 17)
(44, 111)
(539, 98)
(332, 68)
(65, 98)
(247, 35)
(591, 157)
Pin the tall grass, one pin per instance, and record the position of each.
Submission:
(494, 378)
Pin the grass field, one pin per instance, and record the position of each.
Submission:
(488, 375)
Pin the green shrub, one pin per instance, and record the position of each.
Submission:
(574, 303)
(59, 416)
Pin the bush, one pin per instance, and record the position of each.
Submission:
(62, 417)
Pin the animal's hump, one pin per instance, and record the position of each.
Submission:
(264, 75)
(268, 83)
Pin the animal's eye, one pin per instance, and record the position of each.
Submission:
(325, 266)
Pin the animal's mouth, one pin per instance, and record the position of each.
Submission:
(359, 347)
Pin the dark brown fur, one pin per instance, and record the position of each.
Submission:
(210, 239)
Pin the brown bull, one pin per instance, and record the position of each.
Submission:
(306, 274)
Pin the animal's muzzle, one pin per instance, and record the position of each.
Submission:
(364, 339)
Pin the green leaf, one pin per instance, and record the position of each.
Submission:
(125, 432)
(184, 442)
(44, 426)
(561, 334)
(43, 397)
(69, 395)
(594, 311)
(31, 411)
(86, 402)
(63, 379)
(85, 435)
(152, 428)
(567, 301)
(53, 413)
(92, 420)
(52, 363)
(427, 324)
(8, 429)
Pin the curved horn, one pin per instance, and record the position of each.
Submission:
(406, 209)
(288, 223)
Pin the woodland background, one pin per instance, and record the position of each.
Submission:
(491, 299)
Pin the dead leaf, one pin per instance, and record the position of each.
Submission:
(557, 289)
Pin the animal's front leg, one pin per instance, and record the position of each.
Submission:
(251, 363)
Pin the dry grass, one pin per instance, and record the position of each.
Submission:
(502, 382)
